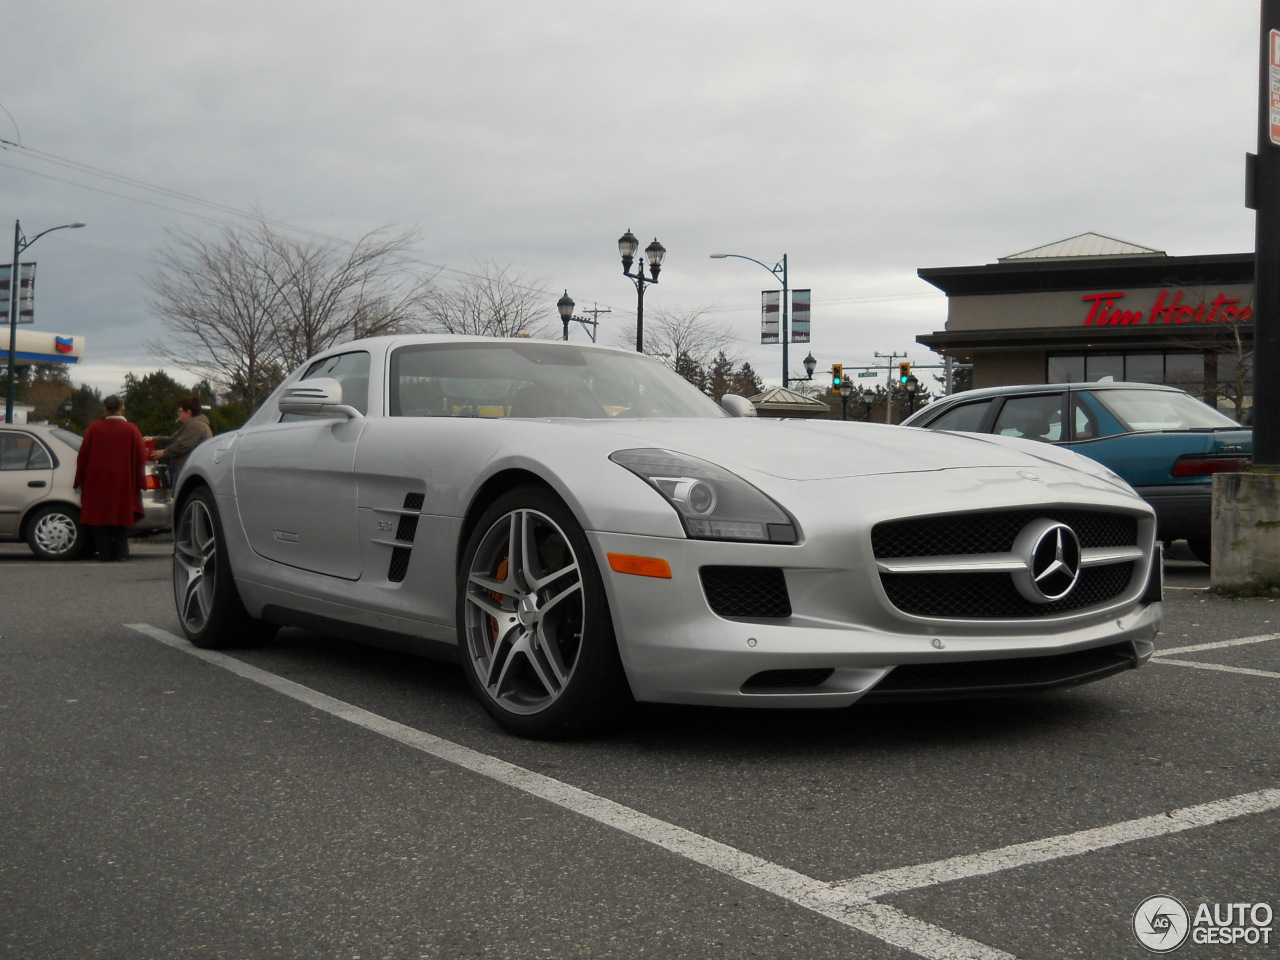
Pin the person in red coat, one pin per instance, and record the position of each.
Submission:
(110, 475)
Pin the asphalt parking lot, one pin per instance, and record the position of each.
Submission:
(320, 799)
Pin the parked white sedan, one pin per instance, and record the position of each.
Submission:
(581, 528)
(38, 502)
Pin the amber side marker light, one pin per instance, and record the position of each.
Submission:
(640, 566)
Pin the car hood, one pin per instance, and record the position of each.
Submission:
(817, 449)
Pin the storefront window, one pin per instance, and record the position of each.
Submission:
(1144, 367)
(1185, 371)
(1065, 369)
(1182, 370)
(1100, 365)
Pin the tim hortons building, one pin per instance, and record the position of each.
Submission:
(1091, 307)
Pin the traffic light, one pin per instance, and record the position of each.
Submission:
(904, 372)
(837, 376)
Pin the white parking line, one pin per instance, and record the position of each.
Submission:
(1222, 668)
(1218, 645)
(1163, 656)
(851, 903)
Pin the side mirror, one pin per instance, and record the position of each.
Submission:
(738, 406)
(321, 397)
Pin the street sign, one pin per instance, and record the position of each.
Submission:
(868, 373)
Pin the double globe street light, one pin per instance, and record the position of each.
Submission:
(653, 253)
(20, 243)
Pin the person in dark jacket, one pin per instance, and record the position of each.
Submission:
(110, 475)
(193, 430)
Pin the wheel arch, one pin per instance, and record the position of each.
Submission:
(494, 487)
(184, 492)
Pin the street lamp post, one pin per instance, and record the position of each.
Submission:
(810, 364)
(20, 243)
(565, 307)
(654, 253)
(846, 391)
(779, 271)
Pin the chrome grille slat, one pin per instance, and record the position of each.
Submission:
(962, 566)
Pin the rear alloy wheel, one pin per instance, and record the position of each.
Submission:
(209, 606)
(538, 642)
(54, 533)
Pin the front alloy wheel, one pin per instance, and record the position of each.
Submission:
(204, 589)
(538, 641)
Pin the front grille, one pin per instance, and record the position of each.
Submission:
(994, 532)
(750, 592)
(970, 677)
(964, 594)
(988, 595)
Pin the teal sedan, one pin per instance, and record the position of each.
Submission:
(1164, 442)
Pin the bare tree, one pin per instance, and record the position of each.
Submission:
(327, 292)
(1224, 338)
(490, 302)
(247, 304)
(684, 341)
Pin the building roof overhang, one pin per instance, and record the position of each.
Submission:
(1205, 335)
(1089, 273)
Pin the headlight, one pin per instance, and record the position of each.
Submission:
(713, 503)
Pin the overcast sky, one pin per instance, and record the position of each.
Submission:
(863, 139)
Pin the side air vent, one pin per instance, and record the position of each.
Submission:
(406, 530)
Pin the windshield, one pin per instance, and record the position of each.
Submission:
(1161, 410)
(503, 379)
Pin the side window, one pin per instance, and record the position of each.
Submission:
(966, 416)
(1035, 418)
(349, 369)
(22, 452)
(1083, 422)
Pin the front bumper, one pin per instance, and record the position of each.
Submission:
(842, 638)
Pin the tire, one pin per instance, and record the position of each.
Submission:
(204, 588)
(54, 533)
(1200, 548)
(538, 645)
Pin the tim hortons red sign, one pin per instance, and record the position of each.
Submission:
(1169, 308)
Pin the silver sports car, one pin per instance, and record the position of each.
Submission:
(582, 529)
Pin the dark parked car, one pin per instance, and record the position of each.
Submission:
(1163, 441)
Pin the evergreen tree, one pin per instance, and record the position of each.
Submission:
(151, 401)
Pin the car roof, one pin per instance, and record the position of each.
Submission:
(1050, 387)
(392, 340)
(33, 427)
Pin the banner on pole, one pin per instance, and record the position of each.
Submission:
(26, 292)
(800, 300)
(770, 301)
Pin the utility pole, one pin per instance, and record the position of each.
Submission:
(888, 401)
(595, 313)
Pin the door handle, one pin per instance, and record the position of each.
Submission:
(36, 483)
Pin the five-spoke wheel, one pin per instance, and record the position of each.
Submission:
(537, 639)
(204, 589)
